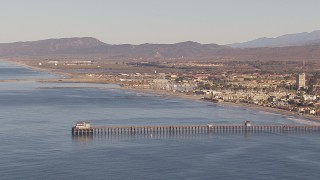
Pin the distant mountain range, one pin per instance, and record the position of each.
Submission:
(300, 48)
(298, 39)
(92, 46)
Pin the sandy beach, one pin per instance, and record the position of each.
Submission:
(165, 93)
(273, 110)
(230, 104)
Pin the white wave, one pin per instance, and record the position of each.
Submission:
(305, 158)
(270, 113)
(303, 121)
(146, 95)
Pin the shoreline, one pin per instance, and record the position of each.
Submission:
(21, 64)
(69, 76)
(164, 93)
(229, 104)
(272, 110)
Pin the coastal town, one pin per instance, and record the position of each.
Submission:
(212, 81)
(167, 89)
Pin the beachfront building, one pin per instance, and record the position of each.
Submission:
(301, 81)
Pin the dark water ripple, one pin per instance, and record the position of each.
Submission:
(36, 143)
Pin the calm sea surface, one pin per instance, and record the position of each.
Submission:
(36, 142)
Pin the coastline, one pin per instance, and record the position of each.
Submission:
(165, 93)
(273, 110)
(229, 104)
(71, 77)
(21, 64)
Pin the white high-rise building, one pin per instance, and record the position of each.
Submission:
(301, 81)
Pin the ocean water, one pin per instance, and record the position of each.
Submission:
(36, 141)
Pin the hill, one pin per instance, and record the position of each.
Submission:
(92, 48)
(282, 41)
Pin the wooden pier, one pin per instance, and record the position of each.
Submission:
(190, 129)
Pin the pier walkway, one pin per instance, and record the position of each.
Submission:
(190, 129)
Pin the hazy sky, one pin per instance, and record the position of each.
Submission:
(156, 21)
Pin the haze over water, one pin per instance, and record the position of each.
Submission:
(36, 141)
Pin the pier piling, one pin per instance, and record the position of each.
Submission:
(190, 129)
